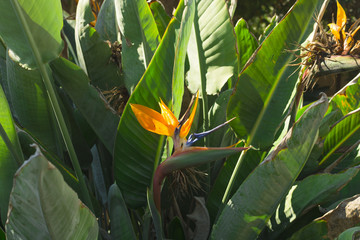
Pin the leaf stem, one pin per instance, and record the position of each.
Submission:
(54, 103)
(233, 177)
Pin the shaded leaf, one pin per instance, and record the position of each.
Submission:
(43, 206)
(45, 21)
(121, 225)
(106, 21)
(161, 18)
(94, 109)
(31, 105)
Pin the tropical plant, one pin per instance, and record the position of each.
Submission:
(91, 143)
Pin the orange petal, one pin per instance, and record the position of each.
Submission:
(335, 30)
(185, 129)
(354, 32)
(341, 16)
(151, 120)
(168, 116)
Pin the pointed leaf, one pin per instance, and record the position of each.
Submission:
(211, 49)
(87, 99)
(43, 206)
(121, 225)
(140, 38)
(247, 212)
(8, 162)
(265, 87)
(136, 148)
(44, 18)
(346, 129)
(106, 21)
(161, 18)
(246, 42)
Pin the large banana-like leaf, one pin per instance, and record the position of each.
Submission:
(44, 19)
(265, 87)
(31, 106)
(94, 109)
(346, 102)
(160, 16)
(43, 206)
(94, 54)
(345, 130)
(246, 42)
(135, 148)
(306, 194)
(212, 47)
(246, 213)
(140, 38)
(106, 22)
(8, 162)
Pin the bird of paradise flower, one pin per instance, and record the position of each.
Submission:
(184, 155)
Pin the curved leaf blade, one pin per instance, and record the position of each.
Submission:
(343, 131)
(106, 21)
(135, 148)
(264, 89)
(31, 105)
(45, 22)
(140, 38)
(43, 206)
(247, 212)
(94, 109)
(212, 47)
(121, 225)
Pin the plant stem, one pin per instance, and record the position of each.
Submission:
(233, 177)
(54, 104)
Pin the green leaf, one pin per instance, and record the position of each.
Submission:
(155, 216)
(214, 200)
(246, 42)
(94, 109)
(161, 18)
(345, 130)
(348, 98)
(103, 71)
(135, 148)
(83, 17)
(314, 231)
(273, 22)
(45, 21)
(106, 21)
(247, 212)
(31, 105)
(351, 233)
(8, 162)
(211, 50)
(265, 87)
(140, 38)
(43, 206)
(308, 193)
(121, 225)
